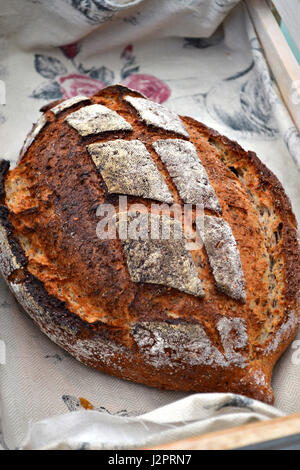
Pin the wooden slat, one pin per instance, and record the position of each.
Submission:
(278, 54)
(290, 14)
(239, 436)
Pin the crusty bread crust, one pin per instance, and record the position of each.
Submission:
(149, 333)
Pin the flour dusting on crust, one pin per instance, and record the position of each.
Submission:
(95, 119)
(83, 349)
(233, 334)
(167, 345)
(187, 172)
(33, 134)
(66, 104)
(223, 255)
(284, 331)
(158, 261)
(8, 261)
(155, 114)
(127, 168)
(260, 378)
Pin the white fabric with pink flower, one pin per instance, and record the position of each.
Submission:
(152, 87)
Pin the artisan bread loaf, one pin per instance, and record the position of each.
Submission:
(209, 309)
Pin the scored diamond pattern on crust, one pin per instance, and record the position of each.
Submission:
(223, 255)
(66, 104)
(95, 119)
(187, 172)
(127, 168)
(157, 115)
(158, 261)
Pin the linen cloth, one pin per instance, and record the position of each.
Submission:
(200, 58)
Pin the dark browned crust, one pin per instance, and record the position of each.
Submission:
(280, 201)
(57, 313)
(291, 246)
(65, 329)
(48, 106)
(4, 167)
(58, 318)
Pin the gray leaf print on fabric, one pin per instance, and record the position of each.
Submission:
(243, 103)
(48, 91)
(49, 67)
(133, 20)
(292, 141)
(94, 11)
(231, 401)
(72, 403)
(76, 404)
(55, 357)
(103, 74)
(263, 71)
(224, 5)
(237, 401)
(203, 43)
(2, 119)
(4, 304)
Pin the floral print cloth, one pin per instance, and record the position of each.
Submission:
(200, 58)
(87, 81)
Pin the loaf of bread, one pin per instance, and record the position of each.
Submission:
(209, 307)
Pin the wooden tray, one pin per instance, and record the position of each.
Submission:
(278, 433)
